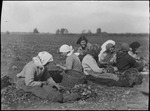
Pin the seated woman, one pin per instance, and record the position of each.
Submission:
(72, 60)
(107, 52)
(34, 78)
(90, 66)
(134, 46)
(103, 47)
(124, 61)
(133, 50)
(108, 56)
(84, 46)
(99, 75)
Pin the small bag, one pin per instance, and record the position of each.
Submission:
(133, 76)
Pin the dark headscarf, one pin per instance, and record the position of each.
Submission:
(125, 47)
(81, 39)
(135, 45)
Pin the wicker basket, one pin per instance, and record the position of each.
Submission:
(71, 77)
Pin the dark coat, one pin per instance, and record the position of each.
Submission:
(124, 61)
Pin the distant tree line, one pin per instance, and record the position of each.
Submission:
(65, 31)
(62, 31)
(98, 32)
(89, 32)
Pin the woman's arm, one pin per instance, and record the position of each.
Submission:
(68, 65)
(101, 61)
(94, 74)
(30, 77)
(58, 65)
(69, 62)
(52, 82)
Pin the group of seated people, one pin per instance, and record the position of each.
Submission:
(91, 59)
(98, 58)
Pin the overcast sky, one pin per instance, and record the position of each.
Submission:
(48, 16)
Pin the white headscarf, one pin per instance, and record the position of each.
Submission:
(103, 47)
(66, 48)
(42, 58)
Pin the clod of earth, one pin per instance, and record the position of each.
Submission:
(14, 67)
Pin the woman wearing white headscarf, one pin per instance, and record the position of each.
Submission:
(72, 60)
(103, 47)
(107, 55)
(35, 78)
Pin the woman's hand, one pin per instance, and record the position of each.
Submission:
(53, 83)
(44, 83)
(115, 69)
(58, 65)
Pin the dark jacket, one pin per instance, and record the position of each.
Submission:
(124, 61)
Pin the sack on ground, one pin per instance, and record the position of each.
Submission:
(133, 76)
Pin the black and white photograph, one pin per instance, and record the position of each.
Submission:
(75, 55)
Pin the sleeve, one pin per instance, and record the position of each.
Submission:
(51, 81)
(45, 75)
(19, 75)
(29, 77)
(69, 62)
(132, 54)
(102, 57)
(136, 65)
(133, 62)
(93, 65)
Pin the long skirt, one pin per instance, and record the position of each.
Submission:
(44, 92)
(108, 82)
(122, 82)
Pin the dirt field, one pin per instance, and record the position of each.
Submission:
(18, 49)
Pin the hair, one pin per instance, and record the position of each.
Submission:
(94, 50)
(125, 47)
(135, 45)
(81, 39)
